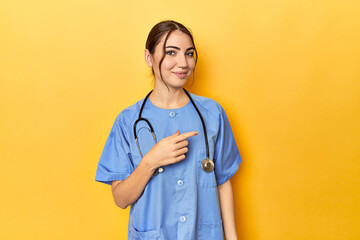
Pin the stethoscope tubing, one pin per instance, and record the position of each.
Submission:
(203, 124)
(205, 163)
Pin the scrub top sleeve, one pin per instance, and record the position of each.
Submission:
(227, 157)
(115, 160)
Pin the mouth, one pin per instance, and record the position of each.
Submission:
(181, 74)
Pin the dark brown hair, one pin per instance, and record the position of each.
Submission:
(158, 31)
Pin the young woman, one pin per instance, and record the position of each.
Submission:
(171, 155)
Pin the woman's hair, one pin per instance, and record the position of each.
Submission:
(158, 31)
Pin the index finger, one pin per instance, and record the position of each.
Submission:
(186, 135)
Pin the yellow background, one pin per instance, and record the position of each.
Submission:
(286, 72)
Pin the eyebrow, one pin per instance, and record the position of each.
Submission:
(190, 48)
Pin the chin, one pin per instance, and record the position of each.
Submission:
(178, 85)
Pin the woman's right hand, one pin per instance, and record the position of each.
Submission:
(168, 150)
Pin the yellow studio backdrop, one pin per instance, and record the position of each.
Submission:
(286, 72)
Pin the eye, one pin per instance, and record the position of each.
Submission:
(171, 53)
(190, 54)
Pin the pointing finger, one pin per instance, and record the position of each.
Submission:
(186, 135)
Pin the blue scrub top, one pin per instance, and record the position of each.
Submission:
(182, 202)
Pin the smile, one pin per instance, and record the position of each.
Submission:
(180, 74)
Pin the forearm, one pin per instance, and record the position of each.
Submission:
(128, 191)
(227, 210)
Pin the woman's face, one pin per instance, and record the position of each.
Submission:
(179, 61)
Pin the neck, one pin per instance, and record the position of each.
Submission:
(164, 98)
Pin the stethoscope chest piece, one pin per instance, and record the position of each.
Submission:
(207, 165)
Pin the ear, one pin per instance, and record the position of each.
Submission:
(148, 58)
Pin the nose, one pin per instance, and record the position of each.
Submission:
(182, 61)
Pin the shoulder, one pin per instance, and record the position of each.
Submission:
(128, 115)
(208, 104)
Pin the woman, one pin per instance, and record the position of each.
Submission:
(179, 187)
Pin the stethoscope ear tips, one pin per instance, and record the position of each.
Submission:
(157, 171)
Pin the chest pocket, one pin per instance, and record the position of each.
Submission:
(204, 179)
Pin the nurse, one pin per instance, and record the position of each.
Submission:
(170, 194)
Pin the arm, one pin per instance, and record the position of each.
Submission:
(227, 210)
(167, 151)
(128, 191)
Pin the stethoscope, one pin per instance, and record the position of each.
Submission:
(207, 164)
